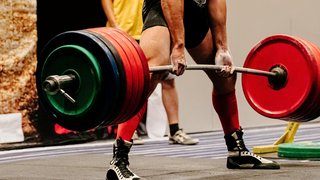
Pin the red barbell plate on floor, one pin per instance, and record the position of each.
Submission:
(291, 54)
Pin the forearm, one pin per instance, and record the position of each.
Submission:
(218, 15)
(108, 10)
(173, 11)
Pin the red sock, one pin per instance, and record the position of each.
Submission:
(227, 110)
(126, 129)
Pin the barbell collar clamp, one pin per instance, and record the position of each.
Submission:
(280, 80)
(56, 83)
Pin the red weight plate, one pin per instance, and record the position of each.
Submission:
(143, 64)
(296, 59)
(135, 62)
(303, 113)
(135, 79)
(128, 71)
(312, 110)
(316, 113)
(119, 98)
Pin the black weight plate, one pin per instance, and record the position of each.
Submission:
(108, 68)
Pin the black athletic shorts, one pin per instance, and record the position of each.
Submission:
(196, 19)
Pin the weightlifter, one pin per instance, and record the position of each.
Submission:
(170, 26)
(131, 23)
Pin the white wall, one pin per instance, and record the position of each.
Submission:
(249, 21)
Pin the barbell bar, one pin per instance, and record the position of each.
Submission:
(100, 76)
(218, 67)
(54, 84)
(277, 75)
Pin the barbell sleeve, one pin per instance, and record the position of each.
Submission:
(217, 67)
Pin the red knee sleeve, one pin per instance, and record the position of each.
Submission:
(126, 129)
(227, 110)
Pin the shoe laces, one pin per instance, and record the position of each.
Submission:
(121, 153)
(240, 145)
(251, 154)
(182, 135)
(121, 160)
(122, 164)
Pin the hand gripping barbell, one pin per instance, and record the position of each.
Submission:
(100, 76)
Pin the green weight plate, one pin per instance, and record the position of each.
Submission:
(110, 87)
(301, 150)
(73, 58)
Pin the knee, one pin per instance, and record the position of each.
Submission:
(168, 84)
(224, 85)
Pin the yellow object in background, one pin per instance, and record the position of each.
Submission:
(128, 15)
(287, 137)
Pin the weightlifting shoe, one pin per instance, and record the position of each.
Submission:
(239, 157)
(182, 138)
(119, 165)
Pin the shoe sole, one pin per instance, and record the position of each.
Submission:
(233, 165)
(173, 142)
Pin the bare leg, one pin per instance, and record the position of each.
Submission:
(171, 105)
(155, 43)
(204, 53)
(170, 100)
(157, 53)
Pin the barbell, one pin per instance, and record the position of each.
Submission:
(100, 76)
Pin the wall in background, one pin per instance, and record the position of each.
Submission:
(249, 21)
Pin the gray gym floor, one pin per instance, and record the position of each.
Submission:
(156, 159)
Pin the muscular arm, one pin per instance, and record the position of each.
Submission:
(173, 11)
(218, 15)
(108, 10)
